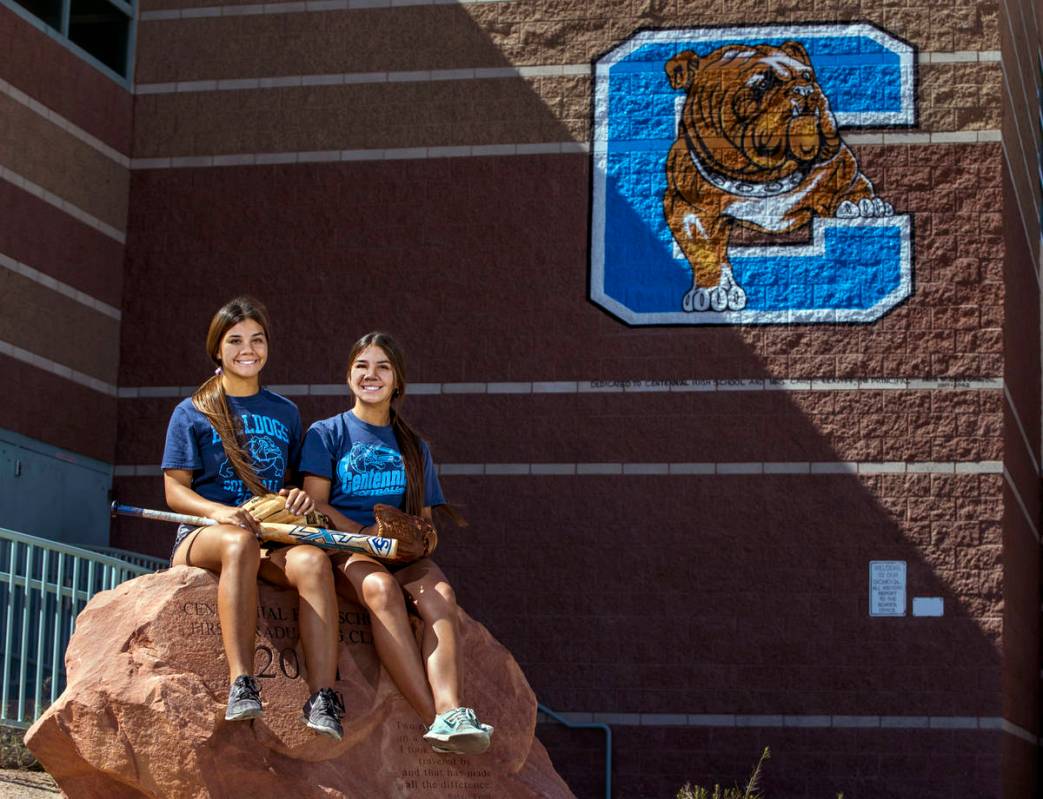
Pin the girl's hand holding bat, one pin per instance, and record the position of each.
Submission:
(240, 517)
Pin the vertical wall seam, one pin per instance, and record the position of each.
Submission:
(1021, 218)
(1031, 39)
(1032, 179)
(1021, 428)
(1015, 44)
(1021, 504)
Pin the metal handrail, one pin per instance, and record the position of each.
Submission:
(149, 562)
(588, 725)
(58, 546)
(44, 585)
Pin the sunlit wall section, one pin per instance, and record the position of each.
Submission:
(64, 182)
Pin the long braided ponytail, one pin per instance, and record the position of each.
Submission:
(409, 443)
(210, 399)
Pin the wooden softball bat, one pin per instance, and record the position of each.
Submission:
(372, 545)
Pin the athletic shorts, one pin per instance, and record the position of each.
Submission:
(185, 530)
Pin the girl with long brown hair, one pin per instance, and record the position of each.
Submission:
(369, 455)
(232, 439)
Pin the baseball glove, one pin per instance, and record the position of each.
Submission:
(271, 508)
(417, 537)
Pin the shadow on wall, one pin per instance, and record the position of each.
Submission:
(717, 594)
(738, 593)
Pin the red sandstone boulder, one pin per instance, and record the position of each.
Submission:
(143, 713)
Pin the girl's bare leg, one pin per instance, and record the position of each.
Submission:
(436, 601)
(380, 593)
(308, 570)
(233, 554)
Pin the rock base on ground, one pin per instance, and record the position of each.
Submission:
(143, 713)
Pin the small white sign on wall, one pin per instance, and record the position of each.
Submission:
(887, 588)
(928, 606)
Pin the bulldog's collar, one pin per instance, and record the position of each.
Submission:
(742, 188)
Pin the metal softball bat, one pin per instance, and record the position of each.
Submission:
(372, 545)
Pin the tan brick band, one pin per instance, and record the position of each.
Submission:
(503, 150)
(364, 116)
(62, 122)
(426, 37)
(43, 153)
(470, 73)
(546, 24)
(53, 199)
(57, 369)
(59, 286)
(187, 85)
(348, 78)
(60, 330)
(50, 408)
(422, 110)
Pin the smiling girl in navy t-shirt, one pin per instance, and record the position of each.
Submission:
(228, 441)
(369, 455)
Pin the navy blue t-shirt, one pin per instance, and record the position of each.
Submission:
(272, 428)
(364, 466)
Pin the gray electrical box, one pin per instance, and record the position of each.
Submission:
(52, 493)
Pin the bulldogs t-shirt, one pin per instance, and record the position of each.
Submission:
(272, 428)
(364, 466)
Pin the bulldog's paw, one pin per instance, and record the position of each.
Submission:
(865, 209)
(727, 295)
(696, 299)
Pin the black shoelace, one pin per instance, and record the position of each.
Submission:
(327, 700)
(245, 688)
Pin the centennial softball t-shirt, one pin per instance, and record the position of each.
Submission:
(272, 429)
(364, 466)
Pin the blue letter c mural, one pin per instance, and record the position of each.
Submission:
(700, 134)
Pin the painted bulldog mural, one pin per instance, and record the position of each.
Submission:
(757, 146)
(744, 132)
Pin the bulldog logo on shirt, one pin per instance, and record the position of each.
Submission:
(371, 469)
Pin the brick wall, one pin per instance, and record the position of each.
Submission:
(671, 526)
(64, 188)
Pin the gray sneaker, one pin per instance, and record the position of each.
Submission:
(244, 699)
(322, 713)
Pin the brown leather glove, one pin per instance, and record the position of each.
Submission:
(417, 536)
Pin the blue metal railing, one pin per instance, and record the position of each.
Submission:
(588, 725)
(147, 562)
(43, 587)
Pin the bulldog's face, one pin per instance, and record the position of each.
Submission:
(755, 111)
